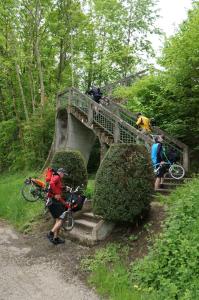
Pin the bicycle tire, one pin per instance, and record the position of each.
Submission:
(30, 192)
(68, 223)
(176, 171)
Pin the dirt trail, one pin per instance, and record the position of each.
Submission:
(32, 268)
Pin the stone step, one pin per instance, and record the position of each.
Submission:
(90, 232)
(82, 236)
(183, 180)
(171, 185)
(89, 216)
(85, 225)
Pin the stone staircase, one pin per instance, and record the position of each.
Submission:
(171, 184)
(111, 124)
(89, 228)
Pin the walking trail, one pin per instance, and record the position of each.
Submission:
(32, 268)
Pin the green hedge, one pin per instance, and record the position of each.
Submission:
(172, 265)
(124, 183)
(73, 162)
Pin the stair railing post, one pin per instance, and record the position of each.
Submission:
(69, 102)
(116, 133)
(90, 113)
(186, 158)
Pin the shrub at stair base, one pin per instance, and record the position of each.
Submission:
(75, 165)
(124, 183)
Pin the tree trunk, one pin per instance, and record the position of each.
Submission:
(12, 93)
(21, 91)
(38, 58)
(32, 89)
(61, 61)
(3, 115)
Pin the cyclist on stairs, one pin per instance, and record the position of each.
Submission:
(143, 123)
(157, 157)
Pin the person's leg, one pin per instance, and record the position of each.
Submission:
(157, 183)
(161, 181)
(57, 227)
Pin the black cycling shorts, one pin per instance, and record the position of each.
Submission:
(56, 209)
(162, 170)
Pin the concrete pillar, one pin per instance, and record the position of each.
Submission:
(79, 137)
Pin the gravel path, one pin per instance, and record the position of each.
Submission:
(33, 269)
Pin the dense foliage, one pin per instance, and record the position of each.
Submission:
(13, 207)
(171, 95)
(49, 45)
(26, 145)
(172, 267)
(124, 183)
(74, 164)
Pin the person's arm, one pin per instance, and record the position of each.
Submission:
(139, 121)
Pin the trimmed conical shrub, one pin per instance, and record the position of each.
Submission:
(124, 183)
(74, 163)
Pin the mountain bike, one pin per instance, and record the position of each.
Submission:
(33, 190)
(74, 202)
(175, 170)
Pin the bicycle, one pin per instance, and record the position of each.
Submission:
(74, 202)
(34, 189)
(176, 171)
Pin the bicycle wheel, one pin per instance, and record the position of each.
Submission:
(30, 192)
(176, 171)
(68, 223)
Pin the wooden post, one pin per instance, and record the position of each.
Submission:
(90, 113)
(186, 158)
(116, 132)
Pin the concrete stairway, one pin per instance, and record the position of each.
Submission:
(170, 184)
(89, 228)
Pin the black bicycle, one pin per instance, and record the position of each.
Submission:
(74, 202)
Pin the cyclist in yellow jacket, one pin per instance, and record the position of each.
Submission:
(143, 123)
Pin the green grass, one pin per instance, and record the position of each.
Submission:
(13, 207)
(90, 188)
(171, 269)
(111, 277)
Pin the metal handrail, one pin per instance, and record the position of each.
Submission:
(169, 141)
(98, 114)
(119, 123)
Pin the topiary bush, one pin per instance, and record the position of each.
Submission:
(124, 183)
(74, 163)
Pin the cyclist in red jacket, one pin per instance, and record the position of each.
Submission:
(56, 205)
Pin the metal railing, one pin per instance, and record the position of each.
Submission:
(118, 123)
(169, 141)
(97, 114)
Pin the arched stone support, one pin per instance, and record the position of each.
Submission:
(70, 133)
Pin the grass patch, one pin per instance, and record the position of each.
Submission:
(90, 188)
(13, 207)
(111, 277)
(171, 269)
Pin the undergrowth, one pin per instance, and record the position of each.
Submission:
(170, 270)
(13, 207)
